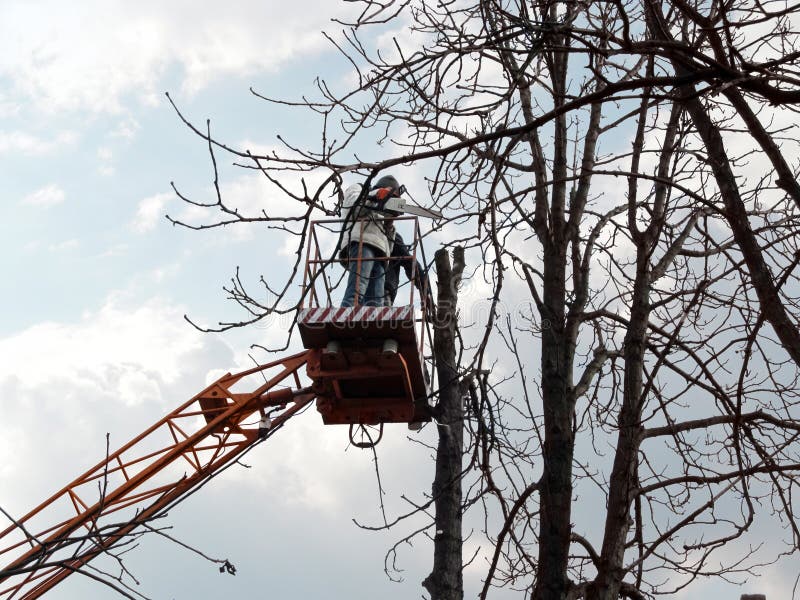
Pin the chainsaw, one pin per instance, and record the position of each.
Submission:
(396, 206)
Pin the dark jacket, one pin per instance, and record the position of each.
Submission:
(401, 257)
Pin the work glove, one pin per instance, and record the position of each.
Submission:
(381, 194)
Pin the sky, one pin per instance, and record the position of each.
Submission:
(93, 338)
(97, 282)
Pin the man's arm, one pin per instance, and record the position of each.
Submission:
(351, 195)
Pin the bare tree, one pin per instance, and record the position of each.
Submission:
(622, 173)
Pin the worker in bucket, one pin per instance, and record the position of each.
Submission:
(370, 231)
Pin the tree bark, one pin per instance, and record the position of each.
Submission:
(556, 483)
(445, 581)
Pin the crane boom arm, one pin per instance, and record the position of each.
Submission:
(141, 480)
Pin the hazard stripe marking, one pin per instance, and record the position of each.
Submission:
(349, 313)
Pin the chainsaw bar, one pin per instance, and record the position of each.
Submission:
(399, 206)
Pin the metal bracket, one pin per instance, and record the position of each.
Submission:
(371, 443)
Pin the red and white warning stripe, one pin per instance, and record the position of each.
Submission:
(337, 314)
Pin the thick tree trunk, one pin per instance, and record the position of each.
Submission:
(445, 581)
(556, 483)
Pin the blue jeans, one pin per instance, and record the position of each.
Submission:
(370, 279)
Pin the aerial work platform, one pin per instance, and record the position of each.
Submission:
(367, 366)
(366, 362)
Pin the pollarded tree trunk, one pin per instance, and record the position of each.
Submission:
(445, 581)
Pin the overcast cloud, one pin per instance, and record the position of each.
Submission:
(93, 55)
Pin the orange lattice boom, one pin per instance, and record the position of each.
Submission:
(145, 477)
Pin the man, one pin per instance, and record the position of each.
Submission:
(401, 257)
(367, 229)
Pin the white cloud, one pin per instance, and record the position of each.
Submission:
(91, 55)
(49, 195)
(116, 250)
(64, 246)
(126, 129)
(8, 108)
(105, 158)
(163, 273)
(149, 212)
(114, 342)
(105, 153)
(26, 144)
